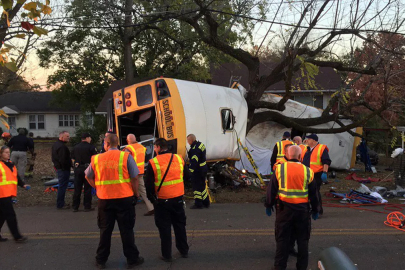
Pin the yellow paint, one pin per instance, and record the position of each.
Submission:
(179, 117)
(359, 130)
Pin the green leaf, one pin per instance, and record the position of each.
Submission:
(20, 36)
(9, 46)
(11, 66)
(40, 31)
(7, 4)
(21, 1)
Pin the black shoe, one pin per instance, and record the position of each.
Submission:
(206, 206)
(75, 210)
(2, 239)
(166, 259)
(293, 253)
(23, 239)
(89, 209)
(185, 255)
(100, 265)
(196, 207)
(139, 261)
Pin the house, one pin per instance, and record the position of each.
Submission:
(327, 82)
(39, 113)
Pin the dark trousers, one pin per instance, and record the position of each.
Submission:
(167, 213)
(7, 214)
(289, 223)
(318, 180)
(80, 180)
(199, 188)
(122, 211)
(63, 180)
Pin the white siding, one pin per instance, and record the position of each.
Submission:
(52, 128)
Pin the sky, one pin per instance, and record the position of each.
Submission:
(288, 11)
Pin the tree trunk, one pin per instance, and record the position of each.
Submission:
(127, 40)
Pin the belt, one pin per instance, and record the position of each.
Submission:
(176, 199)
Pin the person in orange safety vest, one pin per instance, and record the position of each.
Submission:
(164, 183)
(114, 175)
(138, 152)
(9, 180)
(278, 150)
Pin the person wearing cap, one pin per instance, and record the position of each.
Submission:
(279, 149)
(317, 158)
(81, 158)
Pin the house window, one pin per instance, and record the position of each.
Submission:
(69, 120)
(227, 119)
(11, 121)
(37, 121)
(88, 120)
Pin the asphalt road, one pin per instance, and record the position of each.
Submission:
(226, 236)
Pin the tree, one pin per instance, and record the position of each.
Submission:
(109, 40)
(32, 11)
(310, 33)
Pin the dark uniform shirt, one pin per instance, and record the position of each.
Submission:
(149, 179)
(10, 165)
(61, 156)
(325, 159)
(20, 143)
(272, 192)
(197, 150)
(82, 153)
(273, 158)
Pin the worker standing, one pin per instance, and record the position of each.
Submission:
(138, 152)
(198, 169)
(81, 158)
(291, 189)
(285, 158)
(114, 176)
(62, 163)
(298, 141)
(278, 150)
(317, 158)
(9, 179)
(5, 138)
(19, 146)
(165, 188)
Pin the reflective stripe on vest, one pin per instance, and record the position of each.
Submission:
(139, 155)
(8, 181)
(172, 185)
(112, 178)
(293, 179)
(280, 148)
(316, 155)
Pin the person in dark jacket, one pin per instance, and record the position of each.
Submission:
(19, 145)
(7, 191)
(81, 158)
(198, 169)
(62, 163)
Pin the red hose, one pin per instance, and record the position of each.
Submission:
(396, 220)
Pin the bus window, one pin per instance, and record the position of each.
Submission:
(227, 120)
(144, 95)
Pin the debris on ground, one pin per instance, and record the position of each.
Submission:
(353, 176)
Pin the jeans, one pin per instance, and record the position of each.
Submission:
(63, 179)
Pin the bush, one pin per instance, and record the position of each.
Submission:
(1, 131)
(95, 131)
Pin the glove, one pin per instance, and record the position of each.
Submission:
(268, 212)
(315, 216)
(324, 177)
(27, 187)
(134, 200)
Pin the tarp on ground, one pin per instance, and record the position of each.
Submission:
(265, 135)
(260, 155)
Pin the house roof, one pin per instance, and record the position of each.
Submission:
(29, 102)
(327, 79)
(102, 107)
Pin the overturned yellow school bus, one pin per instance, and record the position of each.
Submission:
(172, 109)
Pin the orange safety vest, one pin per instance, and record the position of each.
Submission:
(280, 161)
(280, 148)
(316, 162)
(173, 185)
(8, 181)
(293, 179)
(138, 153)
(111, 175)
